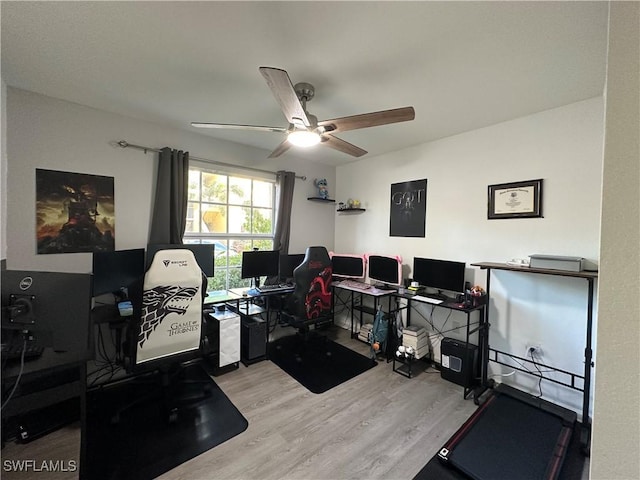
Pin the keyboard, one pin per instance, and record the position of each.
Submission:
(354, 284)
(274, 288)
(421, 298)
(14, 351)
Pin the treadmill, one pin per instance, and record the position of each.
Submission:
(511, 435)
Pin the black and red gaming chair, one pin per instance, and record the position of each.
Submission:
(310, 303)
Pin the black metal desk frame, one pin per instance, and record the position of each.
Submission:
(590, 277)
(480, 327)
(357, 305)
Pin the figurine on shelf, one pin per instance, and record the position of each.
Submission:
(321, 184)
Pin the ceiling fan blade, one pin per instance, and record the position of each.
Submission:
(232, 126)
(282, 88)
(366, 120)
(280, 149)
(342, 146)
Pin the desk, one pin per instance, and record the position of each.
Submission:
(222, 296)
(590, 277)
(375, 293)
(51, 379)
(247, 307)
(451, 305)
(252, 330)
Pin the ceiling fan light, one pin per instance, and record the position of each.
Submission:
(303, 138)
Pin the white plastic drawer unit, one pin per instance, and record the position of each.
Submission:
(229, 331)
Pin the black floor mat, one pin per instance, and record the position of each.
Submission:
(317, 363)
(143, 444)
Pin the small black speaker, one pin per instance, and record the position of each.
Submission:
(253, 339)
(459, 362)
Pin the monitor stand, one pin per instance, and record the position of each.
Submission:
(437, 296)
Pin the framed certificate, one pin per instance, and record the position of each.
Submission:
(515, 200)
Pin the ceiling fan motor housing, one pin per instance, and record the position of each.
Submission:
(305, 91)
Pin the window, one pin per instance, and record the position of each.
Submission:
(235, 213)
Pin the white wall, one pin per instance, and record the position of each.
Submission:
(615, 452)
(43, 132)
(563, 146)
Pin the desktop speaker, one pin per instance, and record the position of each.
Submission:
(459, 362)
(253, 340)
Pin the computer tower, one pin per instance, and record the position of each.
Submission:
(253, 340)
(459, 362)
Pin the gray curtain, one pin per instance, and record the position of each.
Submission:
(170, 207)
(285, 182)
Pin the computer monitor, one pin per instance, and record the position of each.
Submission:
(348, 266)
(116, 270)
(53, 308)
(439, 274)
(385, 269)
(288, 264)
(204, 253)
(260, 263)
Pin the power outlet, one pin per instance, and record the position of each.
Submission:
(533, 350)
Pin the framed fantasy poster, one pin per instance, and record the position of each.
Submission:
(74, 212)
(408, 209)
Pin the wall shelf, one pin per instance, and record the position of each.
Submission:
(351, 210)
(320, 199)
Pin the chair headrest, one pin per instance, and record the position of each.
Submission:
(173, 265)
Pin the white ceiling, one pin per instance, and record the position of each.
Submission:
(462, 65)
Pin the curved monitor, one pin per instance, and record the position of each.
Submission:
(439, 274)
(386, 269)
(348, 266)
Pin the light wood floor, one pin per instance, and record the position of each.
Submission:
(379, 425)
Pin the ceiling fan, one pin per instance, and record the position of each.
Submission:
(304, 129)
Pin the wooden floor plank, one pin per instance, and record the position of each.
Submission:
(379, 425)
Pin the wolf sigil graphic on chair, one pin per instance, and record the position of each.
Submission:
(160, 302)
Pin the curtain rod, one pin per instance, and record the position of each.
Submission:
(125, 144)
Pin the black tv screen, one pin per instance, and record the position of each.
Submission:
(439, 274)
(115, 270)
(260, 263)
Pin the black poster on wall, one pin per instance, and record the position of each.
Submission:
(408, 209)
